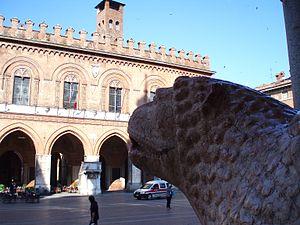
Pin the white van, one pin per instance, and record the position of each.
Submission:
(152, 189)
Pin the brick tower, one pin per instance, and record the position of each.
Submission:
(110, 19)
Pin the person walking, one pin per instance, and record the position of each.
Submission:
(94, 210)
(169, 195)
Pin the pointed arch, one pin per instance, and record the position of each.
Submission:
(87, 147)
(114, 132)
(37, 142)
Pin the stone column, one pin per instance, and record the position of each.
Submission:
(42, 173)
(134, 177)
(292, 25)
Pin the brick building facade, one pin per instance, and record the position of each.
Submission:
(281, 89)
(65, 101)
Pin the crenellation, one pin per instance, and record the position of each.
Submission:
(162, 51)
(108, 42)
(82, 36)
(206, 61)
(181, 54)
(141, 47)
(57, 33)
(198, 58)
(152, 50)
(95, 36)
(130, 45)
(29, 29)
(2, 18)
(69, 34)
(172, 52)
(100, 41)
(190, 56)
(120, 42)
(42, 34)
(14, 26)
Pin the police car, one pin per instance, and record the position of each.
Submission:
(152, 189)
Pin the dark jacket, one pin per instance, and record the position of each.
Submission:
(94, 209)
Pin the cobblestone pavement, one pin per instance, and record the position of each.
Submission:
(115, 208)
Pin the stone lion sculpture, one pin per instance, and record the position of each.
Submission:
(233, 151)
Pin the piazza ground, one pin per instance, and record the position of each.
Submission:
(116, 208)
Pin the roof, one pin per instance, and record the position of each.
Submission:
(113, 4)
(275, 85)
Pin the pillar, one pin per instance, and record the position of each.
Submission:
(134, 177)
(42, 173)
(292, 25)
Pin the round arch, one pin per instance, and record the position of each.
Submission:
(61, 72)
(68, 130)
(104, 82)
(25, 129)
(114, 132)
(14, 62)
(111, 74)
(152, 80)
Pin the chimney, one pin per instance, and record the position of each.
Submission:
(280, 76)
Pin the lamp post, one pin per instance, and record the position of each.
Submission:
(291, 10)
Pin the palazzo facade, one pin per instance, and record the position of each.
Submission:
(65, 101)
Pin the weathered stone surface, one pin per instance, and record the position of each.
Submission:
(233, 151)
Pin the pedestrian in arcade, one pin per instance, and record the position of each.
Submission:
(169, 195)
(94, 211)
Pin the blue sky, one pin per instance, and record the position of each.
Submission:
(245, 39)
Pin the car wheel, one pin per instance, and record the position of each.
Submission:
(139, 197)
(149, 196)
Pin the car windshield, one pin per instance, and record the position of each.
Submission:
(146, 186)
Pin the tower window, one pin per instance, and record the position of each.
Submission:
(117, 25)
(110, 24)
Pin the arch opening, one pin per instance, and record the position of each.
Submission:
(17, 159)
(67, 155)
(114, 159)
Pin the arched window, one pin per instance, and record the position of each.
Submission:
(110, 24)
(71, 86)
(117, 25)
(21, 87)
(115, 97)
